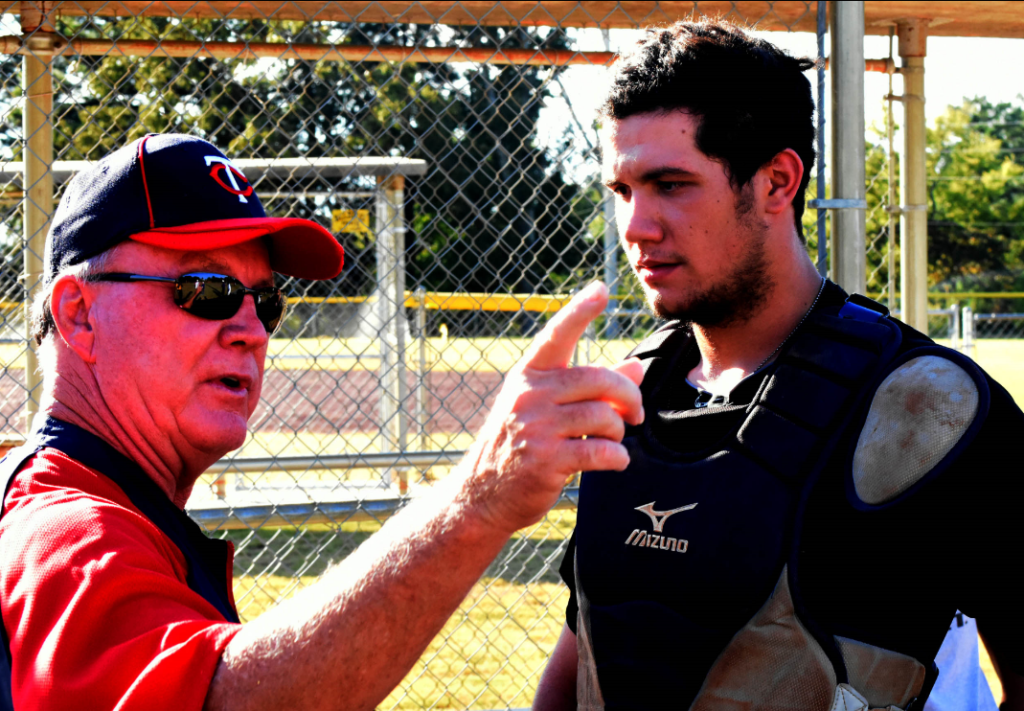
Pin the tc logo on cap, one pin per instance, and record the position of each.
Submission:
(223, 165)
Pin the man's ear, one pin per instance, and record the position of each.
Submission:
(70, 304)
(783, 173)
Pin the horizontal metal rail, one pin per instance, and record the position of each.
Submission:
(255, 168)
(190, 49)
(931, 312)
(999, 317)
(338, 461)
(229, 518)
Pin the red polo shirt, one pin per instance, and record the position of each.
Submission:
(95, 599)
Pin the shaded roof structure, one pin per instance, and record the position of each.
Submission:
(996, 18)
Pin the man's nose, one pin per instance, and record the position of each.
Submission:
(639, 220)
(245, 328)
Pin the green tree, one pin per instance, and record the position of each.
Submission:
(975, 200)
(493, 213)
(975, 204)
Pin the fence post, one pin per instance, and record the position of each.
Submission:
(37, 82)
(611, 263)
(912, 34)
(954, 326)
(968, 327)
(611, 240)
(848, 169)
(421, 376)
(822, 262)
(391, 309)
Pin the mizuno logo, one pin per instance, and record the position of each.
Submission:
(658, 518)
(655, 539)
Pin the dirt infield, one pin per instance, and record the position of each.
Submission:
(337, 400)
(463, 379)
(324, 401)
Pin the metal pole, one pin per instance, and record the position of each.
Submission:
(968, 325)
(611, 240)
(611, 262)
(505, 56)
(849, 268)
(822, 235)
(391, 310)
(421, 375)
(890, 291)
(913, 37)
(954, 326)
(38, 89)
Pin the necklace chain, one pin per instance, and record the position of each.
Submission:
(785, 340)
(705, 399)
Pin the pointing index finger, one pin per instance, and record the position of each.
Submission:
(553, 347)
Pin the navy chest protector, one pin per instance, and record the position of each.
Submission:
(207, 558)
(677, 553)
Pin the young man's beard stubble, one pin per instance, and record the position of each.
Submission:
(741, 293)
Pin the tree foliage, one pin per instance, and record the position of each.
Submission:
(494, 212)
(975, 179)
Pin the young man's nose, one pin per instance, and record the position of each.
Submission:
(639, 221)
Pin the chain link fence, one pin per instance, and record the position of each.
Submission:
(452, 149)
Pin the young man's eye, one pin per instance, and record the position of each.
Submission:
(670, 186)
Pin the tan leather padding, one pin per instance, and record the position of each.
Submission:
(917, 415)
(883, 677)
(772, 664)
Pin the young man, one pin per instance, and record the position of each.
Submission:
(808, 466)
(158, 304)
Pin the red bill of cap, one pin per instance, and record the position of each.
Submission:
(298, 248)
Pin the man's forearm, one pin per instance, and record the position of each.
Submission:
(347, 641)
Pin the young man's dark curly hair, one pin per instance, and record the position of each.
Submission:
(752, 99)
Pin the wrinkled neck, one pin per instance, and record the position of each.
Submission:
(73, 395)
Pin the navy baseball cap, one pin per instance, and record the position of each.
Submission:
(179, 192)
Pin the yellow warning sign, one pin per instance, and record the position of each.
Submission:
(355, 222)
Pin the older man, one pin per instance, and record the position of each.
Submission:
(158, 304)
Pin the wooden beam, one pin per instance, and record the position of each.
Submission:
(768, 16)
(995, 18)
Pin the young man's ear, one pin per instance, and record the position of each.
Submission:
(783, 175)
(70, 304)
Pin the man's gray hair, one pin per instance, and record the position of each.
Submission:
(42, 324)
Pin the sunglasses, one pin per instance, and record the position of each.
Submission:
(215, 297)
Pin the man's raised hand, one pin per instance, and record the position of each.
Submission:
(550, 421)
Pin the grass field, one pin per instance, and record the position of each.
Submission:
(491, 653)
(493, 650)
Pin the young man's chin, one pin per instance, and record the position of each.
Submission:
(664, 306)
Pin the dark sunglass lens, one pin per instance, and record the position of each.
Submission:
(185, 291)
(270, 309)
(214, 298)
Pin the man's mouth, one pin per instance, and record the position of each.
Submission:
(238, 382)
(654, 269)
